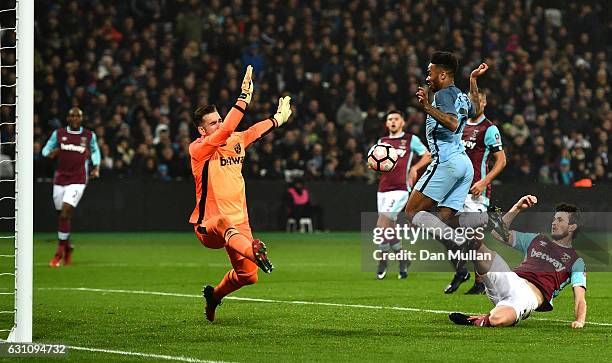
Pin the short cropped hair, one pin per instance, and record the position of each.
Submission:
(574, 214)
(445, 60)
(201, 112)
(395, 111)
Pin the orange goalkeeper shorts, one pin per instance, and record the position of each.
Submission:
(212, 235)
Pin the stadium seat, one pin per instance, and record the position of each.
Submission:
(291, 225)
(306, 225)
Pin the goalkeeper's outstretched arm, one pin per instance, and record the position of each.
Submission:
(234, 116)
(231, 121)
(203, 149)
(262, 128)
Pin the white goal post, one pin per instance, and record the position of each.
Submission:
(24, 172)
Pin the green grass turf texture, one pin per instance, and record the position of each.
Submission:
(318, 267)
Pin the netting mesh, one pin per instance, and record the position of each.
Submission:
(8, 81)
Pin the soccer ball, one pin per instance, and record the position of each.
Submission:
(382, 157)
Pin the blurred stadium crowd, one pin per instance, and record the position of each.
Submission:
(139, 68)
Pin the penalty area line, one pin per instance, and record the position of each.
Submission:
(291, 302)
(144, 355)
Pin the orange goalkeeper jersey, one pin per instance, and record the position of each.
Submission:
(216, 164)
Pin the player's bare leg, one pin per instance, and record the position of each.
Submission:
(418, 202)
(500, 316)
(64, 248)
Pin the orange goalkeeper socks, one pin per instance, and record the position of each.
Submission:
(227, 285)
(239, 243)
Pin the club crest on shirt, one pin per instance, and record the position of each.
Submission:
(403, 144)
(565, 257)
(64, 138)
(543, 243)
(237, 148)
(474, 134)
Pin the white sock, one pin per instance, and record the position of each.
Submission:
(396, 247)
(473, 219)
(440, 229)
(499, 264)
(384, 247)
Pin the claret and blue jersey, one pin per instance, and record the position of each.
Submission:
(481, 139)
(76, 147)
(548, 265)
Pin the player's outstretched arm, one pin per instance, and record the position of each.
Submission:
(262, 128)
(447, 120)
(474, 95)
(202, 150)
(247, 86)
(234, 116)
(580, 307)
(525, 202)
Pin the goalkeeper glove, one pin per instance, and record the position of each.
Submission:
(247, 86)
(283, 112)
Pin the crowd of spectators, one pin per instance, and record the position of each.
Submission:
(139, 68)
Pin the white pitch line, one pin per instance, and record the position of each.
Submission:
(293, 302)
(179, 264)
(119, 291)
(145, 355)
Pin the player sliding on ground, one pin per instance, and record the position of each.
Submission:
(220, 216)
(550, 264)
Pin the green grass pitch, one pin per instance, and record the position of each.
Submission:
(321, 268)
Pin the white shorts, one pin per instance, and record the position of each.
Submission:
(70, 194)
(505, 288)
(391, 203)
(475, 204)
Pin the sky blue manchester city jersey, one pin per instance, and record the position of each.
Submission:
(444, 143)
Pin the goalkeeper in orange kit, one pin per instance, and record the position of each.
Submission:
(220, 216)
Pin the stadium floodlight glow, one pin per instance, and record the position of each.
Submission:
(24, 172)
